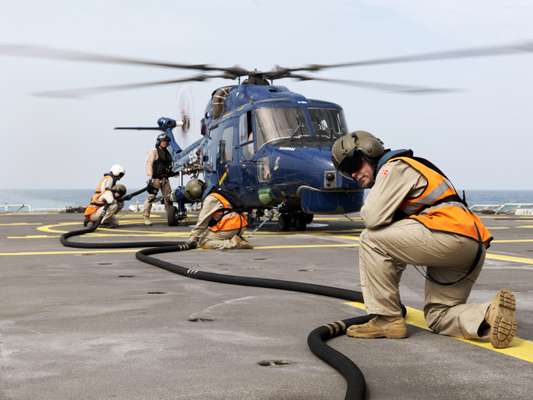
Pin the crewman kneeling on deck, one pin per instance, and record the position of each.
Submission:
(106, 201)
(413, 215)
(105, 206)
(220, 225)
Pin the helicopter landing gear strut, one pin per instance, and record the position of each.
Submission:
(298, 220)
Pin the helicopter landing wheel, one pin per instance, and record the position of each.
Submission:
(284, 222)
(300, 221)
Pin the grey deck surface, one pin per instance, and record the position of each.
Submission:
(82, 325)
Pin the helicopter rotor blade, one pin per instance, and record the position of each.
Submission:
(136, 128)
(113, 88)
(386, 87)
(488, 51)
(72, 55)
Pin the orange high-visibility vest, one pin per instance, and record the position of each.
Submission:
(229, 221)
(451, 218)
(95, 204)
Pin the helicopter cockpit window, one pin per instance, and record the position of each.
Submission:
(227, 136)
(278, 123)
(327, 122)
(246, 135)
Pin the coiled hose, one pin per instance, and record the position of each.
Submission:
(356, 385)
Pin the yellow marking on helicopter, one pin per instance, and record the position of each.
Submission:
(223, 178)
(521, 348)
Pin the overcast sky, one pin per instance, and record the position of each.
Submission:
(480, 137)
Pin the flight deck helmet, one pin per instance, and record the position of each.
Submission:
(117, 171)
(194, 189)
(349, 150)
(119, 189)
(162, 137)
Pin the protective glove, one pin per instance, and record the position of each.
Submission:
(127, 197)
(192, 243)
(188, 245)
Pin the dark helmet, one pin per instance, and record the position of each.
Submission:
(194, 189)
(119, 189)
(349, 150)
(162, 137)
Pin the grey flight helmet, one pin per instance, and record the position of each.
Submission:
(194, 189)
(119, 189)
(349, 150)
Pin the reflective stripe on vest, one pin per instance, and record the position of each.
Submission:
(101, 183)
(230, 221)
(446, 217)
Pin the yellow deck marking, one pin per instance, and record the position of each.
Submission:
(513, 241)
(21, 224)
(50, 228)
(503, 257)
(303, 246)
(521, 348)
(59, 252)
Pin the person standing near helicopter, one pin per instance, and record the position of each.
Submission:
(158, 170)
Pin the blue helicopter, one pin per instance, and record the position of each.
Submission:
(267, 144)
(271, 147)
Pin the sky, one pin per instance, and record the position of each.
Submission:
(480, 136)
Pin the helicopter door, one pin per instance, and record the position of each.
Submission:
(247, 166)
(225, 156)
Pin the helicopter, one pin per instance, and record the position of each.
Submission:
(267, 144)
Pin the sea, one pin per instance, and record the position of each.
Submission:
(43, 199)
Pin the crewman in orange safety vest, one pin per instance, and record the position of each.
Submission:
(106, 201)
(414, 216)
(220, 225)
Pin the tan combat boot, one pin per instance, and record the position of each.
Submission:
(501, 318)
(379, 327)
(147, 221)
(243, 243)
(240, 243)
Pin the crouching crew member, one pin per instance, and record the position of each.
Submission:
(158, 170)
(106, 201)
(220, 225)
(413, 215)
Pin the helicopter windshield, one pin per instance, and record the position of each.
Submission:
(278, 123)
(327, 122)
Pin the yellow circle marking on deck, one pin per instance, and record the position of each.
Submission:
(21, 224)
(521, 348)
(50, 228)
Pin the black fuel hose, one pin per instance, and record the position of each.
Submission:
(356, 385)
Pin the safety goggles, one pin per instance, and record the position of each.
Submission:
(351, 164)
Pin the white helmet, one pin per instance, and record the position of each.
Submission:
(118, 171)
